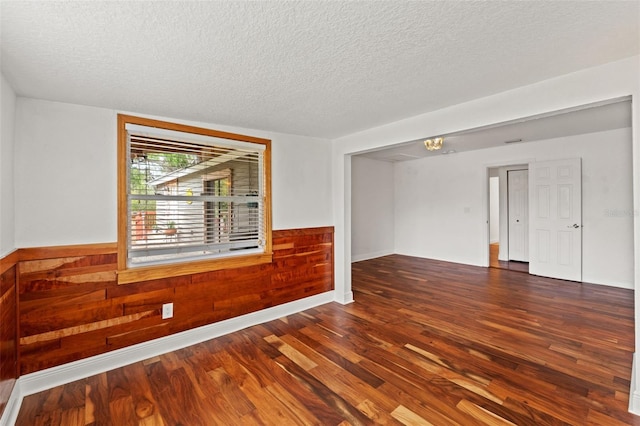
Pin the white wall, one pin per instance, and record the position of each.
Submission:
(7, 218)
(447, 221)
(65, 174)
(494, 209)
(372, 230)
(300, 180)
(66, 177)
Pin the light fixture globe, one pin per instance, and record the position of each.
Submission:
(433, 144)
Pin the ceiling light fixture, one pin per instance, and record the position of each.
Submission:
(433, 144)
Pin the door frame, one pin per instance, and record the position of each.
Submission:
(502, 167)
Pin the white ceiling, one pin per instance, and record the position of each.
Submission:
(614, 114)
(322, 68)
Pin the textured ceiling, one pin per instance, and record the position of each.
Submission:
(323, 69)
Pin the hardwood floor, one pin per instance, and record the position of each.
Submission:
(494, 262)
(426, 342)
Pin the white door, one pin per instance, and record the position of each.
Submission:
(555, 219)
(518, 212)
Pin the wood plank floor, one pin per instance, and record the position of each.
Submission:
(426, 342)
(494, 262)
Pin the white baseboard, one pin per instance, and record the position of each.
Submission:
(346, 298)
(10, 412)
(367, 256)
(634, 392)
(66, 373)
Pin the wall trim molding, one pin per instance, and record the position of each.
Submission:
(634, 392)
(345, 299)
(302, 231)
(49, 252)
(55, 376)
(39, 253)
(9, 261)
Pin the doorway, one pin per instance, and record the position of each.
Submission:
(508, 217)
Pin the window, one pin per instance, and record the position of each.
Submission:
(190, 199)
(218, 213)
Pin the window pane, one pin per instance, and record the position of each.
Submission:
(191, 200)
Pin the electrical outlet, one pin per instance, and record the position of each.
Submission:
(167, 310)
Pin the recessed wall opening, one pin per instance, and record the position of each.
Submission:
(439, 201)
(508, 218)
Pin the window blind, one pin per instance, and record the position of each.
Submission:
(192, 196)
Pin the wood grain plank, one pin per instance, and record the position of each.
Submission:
(97, 400)
(85, 328)
(426, 342)
(69, 294)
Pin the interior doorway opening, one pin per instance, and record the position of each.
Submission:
(508, 226)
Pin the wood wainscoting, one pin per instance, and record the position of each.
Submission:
(71, 307)
(8, 328)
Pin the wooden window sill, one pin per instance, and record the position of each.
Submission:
(146, 273)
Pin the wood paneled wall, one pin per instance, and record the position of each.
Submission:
(71, 307)
(8, 329)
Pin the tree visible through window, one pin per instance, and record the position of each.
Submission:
(191, 196)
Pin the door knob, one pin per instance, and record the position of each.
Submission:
(575, 225)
